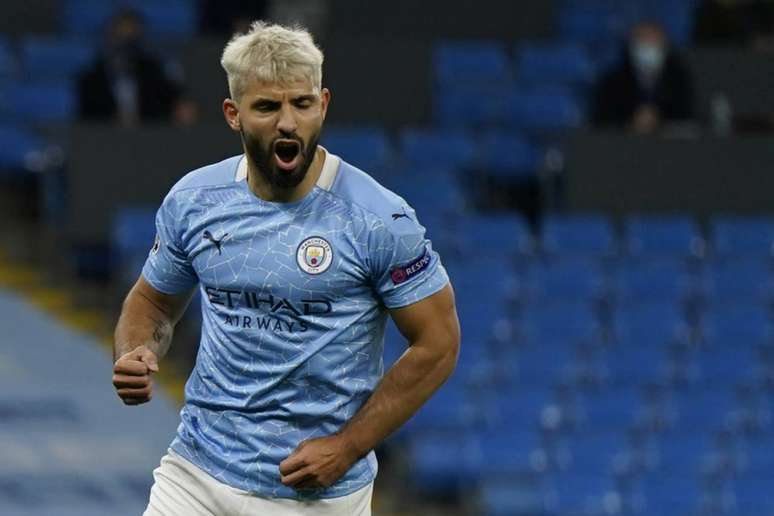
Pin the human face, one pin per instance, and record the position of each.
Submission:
(280, 127)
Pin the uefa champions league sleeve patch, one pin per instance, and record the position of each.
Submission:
(405, 272)
(314, 255)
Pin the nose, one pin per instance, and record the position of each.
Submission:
(286, 124)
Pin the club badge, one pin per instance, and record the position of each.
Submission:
(314, 255)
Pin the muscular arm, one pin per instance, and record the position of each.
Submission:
(433, 332)
(142, 336)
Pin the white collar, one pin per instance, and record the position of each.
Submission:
(330, 169)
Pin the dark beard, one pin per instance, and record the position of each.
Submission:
(262, 157)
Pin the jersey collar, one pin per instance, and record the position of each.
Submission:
(328, 173)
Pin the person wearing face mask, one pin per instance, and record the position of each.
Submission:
(648, 88)
(129, 85)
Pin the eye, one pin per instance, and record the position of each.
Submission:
(265, 106)
(303, 103)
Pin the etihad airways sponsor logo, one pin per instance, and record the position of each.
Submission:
(267, 302)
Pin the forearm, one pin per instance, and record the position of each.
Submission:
(405, 388)
(142, 322)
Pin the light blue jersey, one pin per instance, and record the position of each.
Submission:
(294, 304)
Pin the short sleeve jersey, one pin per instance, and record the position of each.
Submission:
(294, 305)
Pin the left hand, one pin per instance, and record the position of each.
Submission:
(318, 462)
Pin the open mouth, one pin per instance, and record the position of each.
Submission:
(287, 154)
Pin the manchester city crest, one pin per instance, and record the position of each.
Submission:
(314, 255)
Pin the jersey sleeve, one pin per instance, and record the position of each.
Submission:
(168, 268)
(405, 268)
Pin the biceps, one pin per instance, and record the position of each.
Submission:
(432, 321)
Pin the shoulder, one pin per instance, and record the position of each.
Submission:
(366, 196)
(214, 175)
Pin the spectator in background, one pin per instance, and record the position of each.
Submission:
(743, 22)
(128, 84)
(649, 87)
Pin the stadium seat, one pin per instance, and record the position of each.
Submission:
(455, 107)
(38, 102)
(9, 66)
(571, 279)
(542, 111)
(452, 409)
(726, 365)
(368, 148)
(519, 495)
(610, 409)
(654, 281)
(163, 18)
(18, 147)
(743, 236)
(636, 365)
(507, 155)
(737, 325)
(583, 235)
(751, 494)
(581, 492)
(436, 147)
(650, 324)
(590, 24)
(502, 237)
(705, 408)
(482, 63)
(677, 494)
(52, 58)
(654, 236)
(132, 234)
(564, 64)
(442, 464)
(744, 280)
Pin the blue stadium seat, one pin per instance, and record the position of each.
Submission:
(705, 408)
(737, 325)
(510, 451)
(496, 236)
(368, 148)
(436, 147)
(650, 324)
(676, 494)
(577, 279)
(9, 66)
(563, 323)
(744, 280)
(611, 409)
(752, 494)
(654, 235)
(482, 63)
(52, 58)
(590, 24)
(436, 471)
(507, 155)
(636, 365)
(584, 235)
(163, 18)
(563, 64)
(38, 102)
(451, 409)
(132, 234)
(726, 365)
(454, 108)
(743, 236)
(17, 147)
(522, 494)
(654, 281)
(542, 111)
(581, 492)
(430, 189)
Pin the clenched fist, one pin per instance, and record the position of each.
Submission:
(132, 375)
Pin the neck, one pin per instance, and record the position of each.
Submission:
(272, 193)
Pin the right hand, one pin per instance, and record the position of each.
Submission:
(132, 375)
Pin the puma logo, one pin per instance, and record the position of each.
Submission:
(396, 216)
(217, 241)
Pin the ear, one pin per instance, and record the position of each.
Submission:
(325, 96)
(231, 113)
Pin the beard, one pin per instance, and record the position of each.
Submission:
(262, 156)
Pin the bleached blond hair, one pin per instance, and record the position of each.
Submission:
(271, 53)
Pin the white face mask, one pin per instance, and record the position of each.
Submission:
(648, 58)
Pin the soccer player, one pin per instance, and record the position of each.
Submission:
(299, 257)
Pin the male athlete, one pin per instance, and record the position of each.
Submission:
(299, 257)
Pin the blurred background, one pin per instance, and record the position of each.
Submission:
(597, 175)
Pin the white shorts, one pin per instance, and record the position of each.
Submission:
(181, 488)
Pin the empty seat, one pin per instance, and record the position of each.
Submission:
(675, 236)
(18, 147)
(483, 63)
(437, 471)
(542, 111)
(576, 279)
(163, 18)
(590, 24)
(507, 155)
(612, 409)
(436, 147)
(454, 107)
(563, 323)
(38, 102)
(366, 148)
(9, 66)
(554, 64)
(744, 280)
(737, 325)
(585, 235)
(522, 494)
(51, 58)
(654, 281)
(495, 236)
(581, 492)
(743, 236)
(650, 324)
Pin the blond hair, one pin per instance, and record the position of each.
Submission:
(273, 54)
